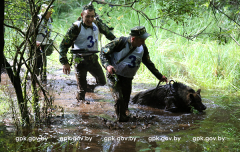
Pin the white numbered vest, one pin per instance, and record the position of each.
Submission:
(129, 66)
(44, 31)
(87, 38)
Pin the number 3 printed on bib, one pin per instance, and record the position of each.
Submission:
(90, 38)
(133, 61)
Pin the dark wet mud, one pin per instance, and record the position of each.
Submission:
(76, 126)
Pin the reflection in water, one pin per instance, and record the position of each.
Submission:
(77, 127)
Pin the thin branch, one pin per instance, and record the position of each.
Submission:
(201, 31)
(125, 5)
(155, 18)
(149, 20)
(173, 32)
(224, 13)
(234, 39)
(138, 18)
(146, 17)
(35, 78)
(13, 27)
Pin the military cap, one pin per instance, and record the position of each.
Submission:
(139, 31)
(45, 6)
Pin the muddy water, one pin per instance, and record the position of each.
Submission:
(78, 127)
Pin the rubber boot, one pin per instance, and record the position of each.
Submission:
(122, 116)
(126, 108)
(117, 110)
(81, 97)
(90, 88)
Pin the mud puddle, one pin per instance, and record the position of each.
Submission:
(77, 126)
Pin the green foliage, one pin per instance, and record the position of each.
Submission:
(4, 102)
(64, 6)
(177, 10)
(230, 7)
(149, 10)
(209, 61)
(21, 26)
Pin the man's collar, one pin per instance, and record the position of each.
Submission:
(129, 42)
(86, 26)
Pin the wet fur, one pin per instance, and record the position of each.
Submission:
(175, 97)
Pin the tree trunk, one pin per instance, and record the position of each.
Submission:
(35, 101)
(1, 33)
(15, 79)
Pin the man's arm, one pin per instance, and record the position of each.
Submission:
(150, 65)
(103, 28)
(106, 51)
(67, 42)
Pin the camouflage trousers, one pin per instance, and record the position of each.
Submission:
(40, 64)
(41, 57)
(88, 64)
(121, 90)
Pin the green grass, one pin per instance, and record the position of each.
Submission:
(5, 102)
(202, 62)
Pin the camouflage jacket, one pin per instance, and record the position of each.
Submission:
(44, 30)
(107, 50)
(72, 35)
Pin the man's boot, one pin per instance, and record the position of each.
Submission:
(81, 97)
(126, 109)
(117, 110)
(90, 88)
(122, 116)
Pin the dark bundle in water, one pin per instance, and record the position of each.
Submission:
(175, 97)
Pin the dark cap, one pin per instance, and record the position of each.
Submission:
(139, 31)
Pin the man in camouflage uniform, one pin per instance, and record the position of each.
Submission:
(43, 38)
(124, 64)
(84, 35)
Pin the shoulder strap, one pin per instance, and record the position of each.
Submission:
(126, 55)
(121, 45)
(79, 30)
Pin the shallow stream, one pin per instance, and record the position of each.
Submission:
(90, 127)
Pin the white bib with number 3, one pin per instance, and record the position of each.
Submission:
(129, 66)
(87, 38)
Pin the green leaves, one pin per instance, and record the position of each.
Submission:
(177, 10)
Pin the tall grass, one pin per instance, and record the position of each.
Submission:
(203, 62)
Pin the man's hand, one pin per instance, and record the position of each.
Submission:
(66, 69)
(111, 69)
(164, 79)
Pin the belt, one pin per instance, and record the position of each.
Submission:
(85, 56)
